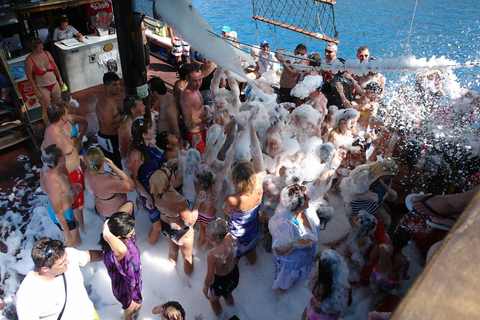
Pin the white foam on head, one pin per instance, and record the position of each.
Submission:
(309, 84)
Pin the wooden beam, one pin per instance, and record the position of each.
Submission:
(318, 36)
(49, 5)
(327, 1)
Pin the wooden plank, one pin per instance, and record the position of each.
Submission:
(8, 125)
(299, 30)
(13, 139)
(448, 286)
(326, 1)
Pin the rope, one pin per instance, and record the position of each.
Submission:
(411, 27)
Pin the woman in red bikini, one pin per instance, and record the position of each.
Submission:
(43, 75)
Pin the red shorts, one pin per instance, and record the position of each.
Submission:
(76, 176)
(202, 144)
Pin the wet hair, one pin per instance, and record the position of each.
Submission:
(50, 156)
(120, 225)
(325, 151)
(314, 56)
(172, 310)
(55, 111)
(138, 128)
(293, 196)
(33, 43)
(204, 176)
(344, 114)
(401, 237)
(373, 86)
(129, 103)
(184, 70)
(301, 46)
(162, 139)
(46, 251)
(218, 228)
(382, 168)
(359, 142)
(408, 153)
(362, 48)
(94, 159)
(223, 94)
(158, 85)
(365, 224)
(332, 274)
(324, 214)
(110, 77)
(66, 95)
(243, 176)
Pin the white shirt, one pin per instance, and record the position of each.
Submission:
(39, 299)
(68, 33)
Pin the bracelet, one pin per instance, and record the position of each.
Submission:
(392, 143)
(181, 169)
(333, 168)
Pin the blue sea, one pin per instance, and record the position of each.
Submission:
(440, 28)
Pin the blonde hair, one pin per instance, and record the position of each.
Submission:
(243, 176)
(381, 168)
(94, 159)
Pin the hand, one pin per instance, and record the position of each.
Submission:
(201, 196)
(76, 188)
(39, 95)
(182, 156)
(196, 139)
(110, 163)
(206, 292)
(150, 203)
(339, 86)
(393, 194)
(303, 243)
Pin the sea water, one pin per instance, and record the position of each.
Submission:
(439, 28)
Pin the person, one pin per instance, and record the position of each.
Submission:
(243, 206)
(109, 118)
(173, 310)
(54, 288)
(13, 113)
(169, 144)
(180, 85)
(289, 77)
(180, 48)
(65, 31)
(206, 180)
(177, 218)
(55, 134)
(331, 292)
(71, 127)
(222, 271)
(225, 31)
(134, 108)
(143, 161)
(167, 106)
(59, 193)
(294, 231)
(363, 54)
(265, 62)
(195, 115)
(122, 260)
(109, 189)
(343, 128)
(392, 263)
(43, 76)
(331, 51)
(208, 70)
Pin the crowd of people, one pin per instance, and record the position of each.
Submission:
(218, 164)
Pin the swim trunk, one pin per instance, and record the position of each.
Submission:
(99, 214)
(68, 215)
(204, 219)
(109, 146)
(153, 214)
(224, 285)
(312, 315)
(202, 144)
(284, 95)
(180, 47)
(174, 235)
(76, 176)
(383, 282)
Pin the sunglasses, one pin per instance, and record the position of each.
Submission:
(49, 250)
(329, 51)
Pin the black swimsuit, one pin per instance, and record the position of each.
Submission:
(111, 197)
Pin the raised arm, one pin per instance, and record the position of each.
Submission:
(83, 122)
(118, 247)
(217, 184)
(233, 84)
(257, 155)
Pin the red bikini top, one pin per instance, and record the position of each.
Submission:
(39, 72)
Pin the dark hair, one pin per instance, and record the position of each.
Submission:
(138, 128)
(46, 251)
(66, 95)
(325, 278)
(196, 70)
(218, 228)
(401, 236)
(120, 225)
(162, 139)
(129, 103)
(33, 43)
(373, 86)
(362, 48)
(408, 153)
(205, 178)
(301, 46)
(315, 59)
(110, 77)
(55, 111)
(63, 19)
(184, 70)
(50, 156)
(171, 310)
(158, 85)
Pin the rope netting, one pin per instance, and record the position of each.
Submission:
(314, 18)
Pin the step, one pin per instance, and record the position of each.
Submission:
(13, 139)
(7, 125)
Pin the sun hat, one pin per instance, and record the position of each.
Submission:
(264, 42)
(226, 29)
